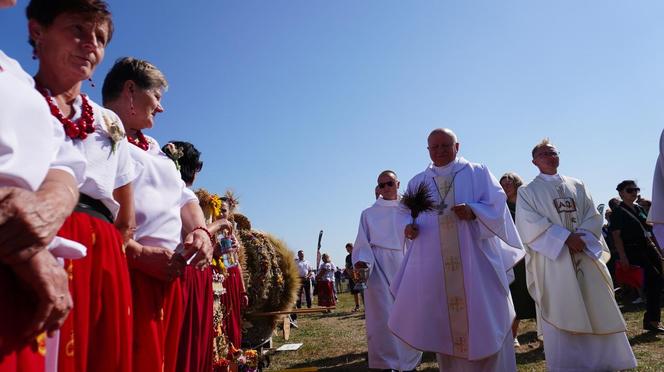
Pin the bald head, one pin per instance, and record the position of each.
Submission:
(445, 131)
(443, 146)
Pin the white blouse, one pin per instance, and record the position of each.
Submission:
(108, 168)
(329, 271)
(159, 195)
(32, 141)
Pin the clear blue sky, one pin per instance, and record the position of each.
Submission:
(298, 105)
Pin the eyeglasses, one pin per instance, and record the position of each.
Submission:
(549, 153)
(632, 190)
(381, 185)
(442, 146)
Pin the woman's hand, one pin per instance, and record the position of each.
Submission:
(30, 220)
(44, 275)
(28, 223)
(197, 243)
(624, 262)
(157, 262)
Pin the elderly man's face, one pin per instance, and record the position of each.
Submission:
(546, 159)
(442, 149)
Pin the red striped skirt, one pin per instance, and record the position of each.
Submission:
(97, 335)
(195, 351)
(16, 313)
(157, 322)
(232, 301)
(325, 293)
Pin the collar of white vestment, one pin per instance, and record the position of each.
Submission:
(550, 177)
(453, 167)
(387, 203)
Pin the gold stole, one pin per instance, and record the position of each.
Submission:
(452, 268)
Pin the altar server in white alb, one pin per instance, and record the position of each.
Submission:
(566, 271)
(656, 214)
(380, 247)
(452, 291)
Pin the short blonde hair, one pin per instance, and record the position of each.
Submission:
(143, 73)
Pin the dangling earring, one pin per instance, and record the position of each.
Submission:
(34, 54)
(92, 83)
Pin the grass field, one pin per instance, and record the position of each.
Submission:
(337, 342)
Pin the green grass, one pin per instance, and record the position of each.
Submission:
(337, 342)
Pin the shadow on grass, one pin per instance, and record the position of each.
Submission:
(347, 362)
(644, 338)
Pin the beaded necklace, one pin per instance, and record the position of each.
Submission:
(78, 129)
(139, 141)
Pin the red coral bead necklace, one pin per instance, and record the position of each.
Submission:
(78, 129)
(139, 141)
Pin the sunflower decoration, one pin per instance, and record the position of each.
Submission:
(210, 204)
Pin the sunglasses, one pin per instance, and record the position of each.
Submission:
(549, 153)
(381, 185)
(632, 190)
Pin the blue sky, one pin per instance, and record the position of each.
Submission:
(298, 105)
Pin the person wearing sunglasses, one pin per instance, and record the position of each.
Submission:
(632, 236)
(379, 246)
(566, 270)
(452, 291)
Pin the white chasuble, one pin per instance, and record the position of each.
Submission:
(582, 325)
(656, 214)
(380, 243)
(451, 292)
(547, 212)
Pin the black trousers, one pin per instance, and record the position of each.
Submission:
(306, 287)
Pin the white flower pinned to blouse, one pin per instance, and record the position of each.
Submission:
(175, 153)
(114, 130)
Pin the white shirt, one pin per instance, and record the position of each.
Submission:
(32, 141)
(329, 271)
(303, 267)
(107, 169)
(159, 195)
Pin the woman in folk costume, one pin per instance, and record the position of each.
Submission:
(69, 39)
(325, 282)
(166, 210)
(36, 200)
(234, 299)
(196, 335)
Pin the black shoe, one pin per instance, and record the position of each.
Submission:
(653, 327)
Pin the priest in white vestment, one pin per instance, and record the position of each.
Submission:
(452, 291)
(656, 214)
(379, 246)
(566, 272)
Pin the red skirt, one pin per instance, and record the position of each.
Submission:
(195, 351)
(97, 335)
(232, 301)
(17, 311)
(325, 293)
(157, 322)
